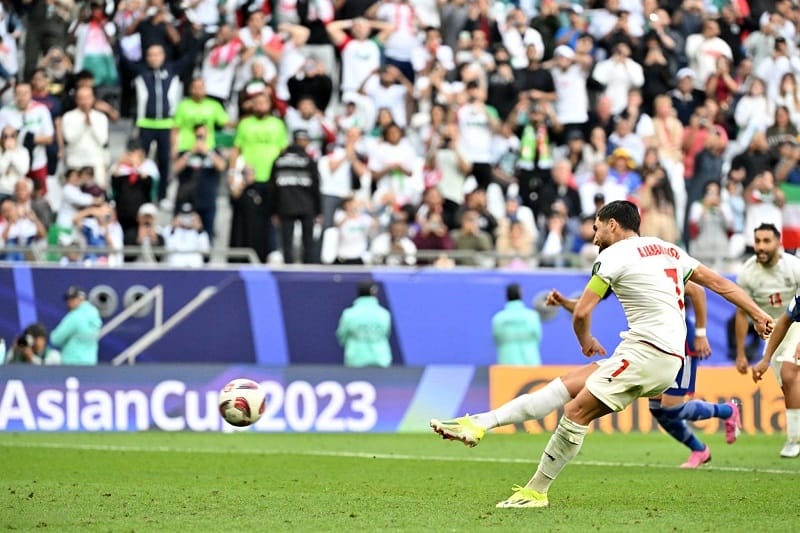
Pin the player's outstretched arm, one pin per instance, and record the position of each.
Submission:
(734, 294)
(781, 327)
(555, 298)
(582, 317)
(697, 295)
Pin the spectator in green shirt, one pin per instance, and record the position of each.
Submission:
(259, 139)
(193, 111)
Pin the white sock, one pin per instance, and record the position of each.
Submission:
(562, 448)
(533, 405)
(793, 425)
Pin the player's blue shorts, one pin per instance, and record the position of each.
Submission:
(684, 381)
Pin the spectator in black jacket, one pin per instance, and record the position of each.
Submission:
(295, 196)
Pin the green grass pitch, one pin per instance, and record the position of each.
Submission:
(408, 482)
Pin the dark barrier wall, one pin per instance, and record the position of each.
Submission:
(281, 317)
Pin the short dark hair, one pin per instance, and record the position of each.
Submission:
(767, 226)
(513, 292)
(624, 212)
(36, 330)
(367, 288)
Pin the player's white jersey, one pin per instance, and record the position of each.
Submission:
(648, 276)
(772, 288)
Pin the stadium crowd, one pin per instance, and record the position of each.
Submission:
(393, 131)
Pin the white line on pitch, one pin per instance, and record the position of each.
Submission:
(366, 455)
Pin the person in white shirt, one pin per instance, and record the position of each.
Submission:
(355, 227)
(394, 247)
(35, 126)
(572, 99)
(599, 186)
(86, 135)
(20, 227)
(73, 199)
(397, 171)
(619, 74)
(389, 88)
(703, 49)
(361, 55)
(336, 172)
(15, 161)
(432, 52)
(517, 36)
(186, 240)
(222, 57)
(403, 38)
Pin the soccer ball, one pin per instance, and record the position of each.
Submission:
(241, 402)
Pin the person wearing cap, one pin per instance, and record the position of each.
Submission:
(295, 196)
(364, 330)
(517, 331)
(685, 98)
(572, 99)
(145, 234)
(77, 334)
(186, 239)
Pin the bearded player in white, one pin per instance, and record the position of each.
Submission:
(647, 275)
(772, 278)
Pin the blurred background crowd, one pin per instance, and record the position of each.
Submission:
(402, 132)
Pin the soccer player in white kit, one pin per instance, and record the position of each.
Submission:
(647, 275)
(772, 278)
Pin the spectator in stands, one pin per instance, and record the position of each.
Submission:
(35, 126)
(476, 199)
(753, 109)
(84, 78)
(311, 80)
(786, 169)
(657, 71)
(710, 223)
(600, 184)
(156, 27)
(198, 170)
(657, 206)
(27, 202)
(341, 173)
(394, 247)
(77, 334)
(470, 237)
(396, 171)
(145, 234)
(572, 98)
(622, 169)
(20, 228)
(703, 50)
(86, 133)
(361, 54)
(43, 93)
(221, 60)
(668, 139)
(157, 85)
(260, 138)
(789, 97)
(721, 85)
(31, 348)
(46, 27)
(514, 244)
(517, 331)
(186, 240)
(295, 196)
(249, 227)
(618, 75)
(556, 240)
(99, 227)
(304, 115)
(535, 131)
(433, 235)
(781, 130)
(390, 88)
(14, 162)
(403, 38)
(685, 98)
(197, 109)
(754, 159)
(562, 187)
(93, 45)
(133, 180)
(364, 330)
(355, 228)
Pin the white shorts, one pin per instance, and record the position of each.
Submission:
(635, 369)
(785, 351)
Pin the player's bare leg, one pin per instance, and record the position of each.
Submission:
(790, 380)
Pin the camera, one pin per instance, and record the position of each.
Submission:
(25, 341)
